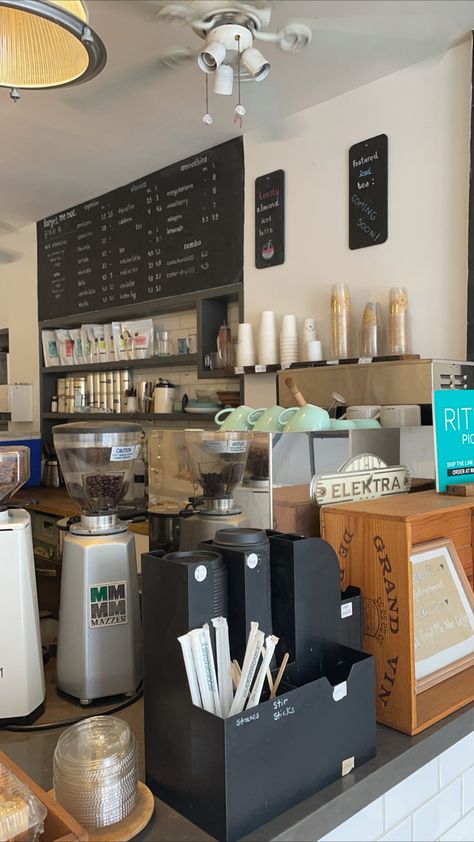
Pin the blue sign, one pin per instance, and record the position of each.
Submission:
(453, 421)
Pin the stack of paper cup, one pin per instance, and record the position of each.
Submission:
(309, 330)
(340, 321)
(245, 345)
(289, 349)
(267, 339)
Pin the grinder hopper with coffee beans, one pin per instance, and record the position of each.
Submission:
(217, 462)
(99, 581)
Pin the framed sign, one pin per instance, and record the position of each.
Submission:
(443, 613)
(368, 186)
(270, 219)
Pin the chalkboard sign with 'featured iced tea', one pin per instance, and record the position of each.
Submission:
(368, 192)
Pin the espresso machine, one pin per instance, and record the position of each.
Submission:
(99, 635)
(22, 687)
(217, 464)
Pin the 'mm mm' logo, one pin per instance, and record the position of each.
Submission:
(108, 604)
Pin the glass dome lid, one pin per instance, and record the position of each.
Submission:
(97, 460)
(14, 471)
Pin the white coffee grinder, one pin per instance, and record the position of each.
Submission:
(21, 661)
(99, 635)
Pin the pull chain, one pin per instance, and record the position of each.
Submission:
(239, 110)
(207, 118)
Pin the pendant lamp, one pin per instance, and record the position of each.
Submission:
(47, 44)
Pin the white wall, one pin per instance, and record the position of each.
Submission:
(425, 111)
(434, 803)
(19, 313)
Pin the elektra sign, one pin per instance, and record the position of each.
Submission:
(453, 424)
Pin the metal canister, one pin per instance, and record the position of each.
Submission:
(109, 381)
(90, 389)
(69, 404)
(79, 392)
(117, 391)
(103, 389)
(96, 389)
(126, 383)
(62, 403)
(69, 388)
(61, 387)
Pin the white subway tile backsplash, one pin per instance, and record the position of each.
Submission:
(401, 833)
(462, 831)
(456, 759)
(365, 826)
(438, 814)
(468, 791)
(402, 799)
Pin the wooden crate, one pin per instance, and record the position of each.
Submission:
(59, 825)
(294, 511)
(374, 542)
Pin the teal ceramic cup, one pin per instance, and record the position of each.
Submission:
(366, 423)
(266, 420)
(234, 419)
(342, 424)
(301, 419)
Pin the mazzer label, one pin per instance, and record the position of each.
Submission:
(108, 604)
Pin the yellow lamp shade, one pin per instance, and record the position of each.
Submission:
(47, 43)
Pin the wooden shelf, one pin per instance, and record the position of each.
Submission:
(269, 369)
(173, 361)
(128, 416)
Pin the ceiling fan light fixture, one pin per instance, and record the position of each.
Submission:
(47, 44)
(256, 64)
(212, 56)
(224, 80)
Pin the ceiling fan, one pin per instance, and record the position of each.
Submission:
(8, 255)
(229, 29)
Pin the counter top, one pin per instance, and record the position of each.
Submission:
(56, 501)
(398, 756)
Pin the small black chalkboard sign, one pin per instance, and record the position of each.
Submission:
(270, 219)
(368, 192)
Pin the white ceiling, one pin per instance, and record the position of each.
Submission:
(61, 147)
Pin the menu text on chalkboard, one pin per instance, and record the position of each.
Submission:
(175, 231)
(270, 219)
(368, 192)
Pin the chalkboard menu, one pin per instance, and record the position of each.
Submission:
(270, 219)
(368, 192)
(176, 231)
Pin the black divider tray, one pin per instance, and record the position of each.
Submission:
(231, 775)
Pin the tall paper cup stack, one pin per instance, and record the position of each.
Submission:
(398, 326)
(245, 345)
(267, 339)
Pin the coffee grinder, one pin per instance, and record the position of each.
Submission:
(217, 462)
(22, 686)
(99, 636)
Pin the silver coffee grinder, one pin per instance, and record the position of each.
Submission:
(99, 635)
(217, 463)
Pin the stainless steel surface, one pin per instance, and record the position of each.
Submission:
(392, 382)
(98, 525)
(164, 530)
(218, 506)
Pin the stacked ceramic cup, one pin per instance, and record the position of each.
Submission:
(289, 348)
(245, 345)
(267, 339)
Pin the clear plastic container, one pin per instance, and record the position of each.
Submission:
(371, 335)
(95, 771)
(14, 471)
(96, 460)
(398, 322)
(340, 322)
(22, 814)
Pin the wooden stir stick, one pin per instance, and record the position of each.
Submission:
(279, 675)
(299, 398)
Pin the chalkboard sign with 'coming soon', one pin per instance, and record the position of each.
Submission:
(176, 231)
(368, 192)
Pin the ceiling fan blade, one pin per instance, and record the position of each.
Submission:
(7, 227)
(123, 83)
(144, 9)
